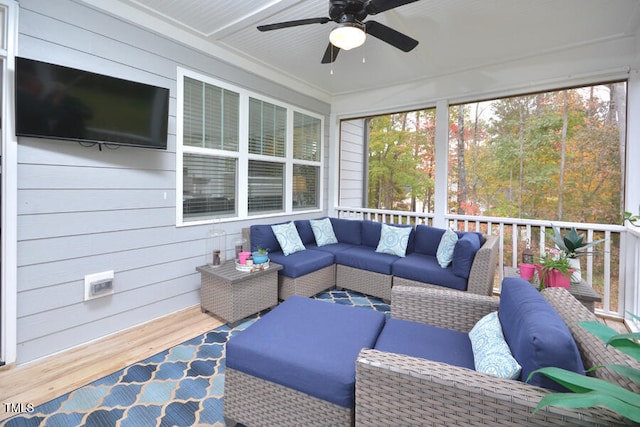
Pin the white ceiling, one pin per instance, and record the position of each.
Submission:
(455, 36)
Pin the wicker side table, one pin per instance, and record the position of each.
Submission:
(582, 291)
(234, 295)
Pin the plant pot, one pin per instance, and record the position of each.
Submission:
(259, 258)
(577, 274)
(527, 271)
(242, 257)
(555, 279)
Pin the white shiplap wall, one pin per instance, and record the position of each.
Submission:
(82, 211)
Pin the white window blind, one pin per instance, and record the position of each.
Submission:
(266, 187)
(306, 186)
(209, 186)
(211, 116)
(267, 128)
(306, 137)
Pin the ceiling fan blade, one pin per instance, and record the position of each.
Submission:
(391, 36)
(296, 23)
(377, 6)
(330, 54)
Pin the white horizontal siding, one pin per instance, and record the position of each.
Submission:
(352, 163)
(82, 211)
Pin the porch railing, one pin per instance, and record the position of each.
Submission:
(604, 270)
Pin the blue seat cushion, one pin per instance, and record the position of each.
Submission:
(535, 332)
(366, 258)
(302, 262)
(332, 248)
(425, 268)
(427, 342)
(307, 345)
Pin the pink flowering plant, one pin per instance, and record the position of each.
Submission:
(554, 259)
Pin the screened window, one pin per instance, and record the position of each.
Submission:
(243, 156)
(556, 155)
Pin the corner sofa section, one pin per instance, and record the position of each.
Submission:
(353, 262)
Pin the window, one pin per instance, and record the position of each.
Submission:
(242, 155)
(555, 155)
(306, 155)
(401, 161)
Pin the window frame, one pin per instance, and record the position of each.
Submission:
(243, 155)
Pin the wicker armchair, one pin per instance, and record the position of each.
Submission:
(393, 389)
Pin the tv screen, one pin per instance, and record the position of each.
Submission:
(59, 102)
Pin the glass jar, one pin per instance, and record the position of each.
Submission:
(215, 247)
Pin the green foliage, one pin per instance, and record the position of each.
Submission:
(571, 243)
(590, 392)
(633, 219)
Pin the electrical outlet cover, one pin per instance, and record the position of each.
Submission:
(96, 278)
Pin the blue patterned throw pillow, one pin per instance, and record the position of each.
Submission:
(446, 247)
(323, 231)
(491, 352)
(288, 238)
(393, 240)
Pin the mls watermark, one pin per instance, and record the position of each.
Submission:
(18, 408)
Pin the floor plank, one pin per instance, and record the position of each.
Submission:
(40, 381)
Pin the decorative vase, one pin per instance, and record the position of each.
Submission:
(577, 274)
(527, 271)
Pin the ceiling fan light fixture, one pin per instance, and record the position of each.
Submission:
(348, 36)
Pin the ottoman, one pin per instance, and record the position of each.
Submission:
(296, 365)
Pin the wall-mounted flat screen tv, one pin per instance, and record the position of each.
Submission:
(59, 102)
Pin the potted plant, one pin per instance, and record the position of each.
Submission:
(573, 246)
(261, 255)
(588, 392)
(555, 270)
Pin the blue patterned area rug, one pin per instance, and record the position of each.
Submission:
(181, 386)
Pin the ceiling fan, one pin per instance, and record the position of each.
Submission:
(352, 31)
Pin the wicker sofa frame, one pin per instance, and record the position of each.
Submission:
(394, 389)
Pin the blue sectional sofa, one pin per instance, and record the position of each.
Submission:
(354, 263)
(469, 363)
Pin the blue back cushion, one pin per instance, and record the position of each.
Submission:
(371, 233)
(262, 235)
(535, 332)
(427, 239)
(347, 230)
(305, 231)
(464, 253)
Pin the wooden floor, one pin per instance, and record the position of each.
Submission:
(40, 381)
